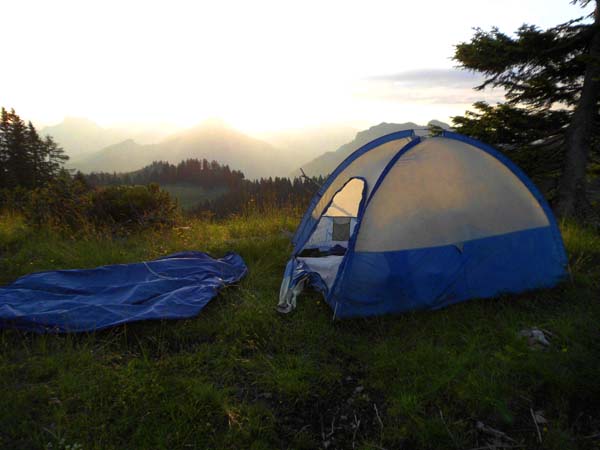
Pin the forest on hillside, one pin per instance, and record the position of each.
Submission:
(34, 182)
(236, 194)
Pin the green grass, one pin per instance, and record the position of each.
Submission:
(241, 376)
(189, 195)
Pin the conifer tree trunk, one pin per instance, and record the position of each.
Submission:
(571, 194)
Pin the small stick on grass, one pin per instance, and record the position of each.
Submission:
(496, 447)
(322, 428)
(493, 432)
(356, 425)
(591, 436)
(378, 416)
(537, 428)
(447, 429)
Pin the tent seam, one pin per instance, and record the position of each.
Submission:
(339, 279)
(521, 176)
(345, 163)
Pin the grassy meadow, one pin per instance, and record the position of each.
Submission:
(241, 376)
(188, 196)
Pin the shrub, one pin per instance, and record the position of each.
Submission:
(13, 199)
(63, 203)
(72, 205)
(132, 206)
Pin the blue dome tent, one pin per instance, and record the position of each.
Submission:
(409, 223)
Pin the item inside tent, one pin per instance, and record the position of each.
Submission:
(327, 246)
(409, 222)
(177, 286)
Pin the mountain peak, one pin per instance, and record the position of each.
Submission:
(382, 129)
(438, 123)
(327, 162)
(213, 123)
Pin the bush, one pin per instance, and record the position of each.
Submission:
(13, 199)
(63, 203)
(71, 204)
(137, 206)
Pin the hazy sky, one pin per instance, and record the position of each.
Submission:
(259, 65)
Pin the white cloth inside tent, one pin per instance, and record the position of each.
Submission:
(326, 266)
(334, 228)
(322, 237)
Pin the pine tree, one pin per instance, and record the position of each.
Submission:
(54, 158)
(552, 83)
(26, 160)
(35, 154)
(579, 135)
(4, 127)
(18, 163)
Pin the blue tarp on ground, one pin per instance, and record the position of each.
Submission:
(176, 286)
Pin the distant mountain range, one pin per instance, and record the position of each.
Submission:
(96, 149)
(327, 162)
(79, 136)
(212, 140)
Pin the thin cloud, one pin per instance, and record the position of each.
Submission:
(431, 86)
(429, 77)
